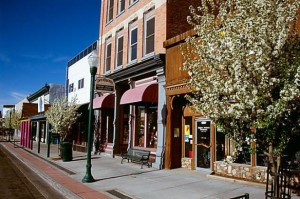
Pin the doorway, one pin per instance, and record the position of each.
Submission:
(202, 144)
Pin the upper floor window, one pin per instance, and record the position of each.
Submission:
(107, 55)
(133, 2)
(133, 41)
(119, 49)
(149, 30)
(80, 83)
(71, 88)
(110, 11)
(121, 6)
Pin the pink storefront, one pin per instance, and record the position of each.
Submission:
(25, 133)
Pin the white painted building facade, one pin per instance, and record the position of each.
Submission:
(79, 77)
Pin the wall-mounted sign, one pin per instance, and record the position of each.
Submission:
(104, 85)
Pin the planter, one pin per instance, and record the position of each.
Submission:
(66, 151)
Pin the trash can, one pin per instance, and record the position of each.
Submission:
(66, 151)
(55, 140)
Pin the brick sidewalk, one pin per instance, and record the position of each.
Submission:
(54, 176)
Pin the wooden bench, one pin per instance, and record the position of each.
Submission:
(137, 155)
(246, 196)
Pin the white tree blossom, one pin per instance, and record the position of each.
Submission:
(12, 120)
(244, 64)
(62, 115)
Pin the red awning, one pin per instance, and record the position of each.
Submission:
(148, 93)
(105, 101)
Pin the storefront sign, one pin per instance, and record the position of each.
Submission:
(104, 85)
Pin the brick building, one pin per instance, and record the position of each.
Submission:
(193, 141)
(132, 54)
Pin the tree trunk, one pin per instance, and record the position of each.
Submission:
(276, 174)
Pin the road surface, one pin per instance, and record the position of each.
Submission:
(18, 181)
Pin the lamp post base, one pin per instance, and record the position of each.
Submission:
(88, 178)
(88, 175)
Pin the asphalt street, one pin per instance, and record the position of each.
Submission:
(18, 181)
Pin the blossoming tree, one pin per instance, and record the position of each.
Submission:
(62, 115)
(244, 64)
(12, 120)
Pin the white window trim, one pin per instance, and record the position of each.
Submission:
(108, 20)
(148, 16)
(119, 6)
(118, 36)
(132, 26)
(107, 43)
(132, 2)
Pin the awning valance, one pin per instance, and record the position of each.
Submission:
(37, 117)
(147, 93)
(105, 101)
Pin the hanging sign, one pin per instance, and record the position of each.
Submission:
(104, 85)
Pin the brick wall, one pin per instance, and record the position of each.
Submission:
(177, 12)
(122, 21)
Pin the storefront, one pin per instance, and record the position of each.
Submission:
(39, 128)
(139, 109)
(104, 116)
(193, 141)
(25, 133)
(141, 101)
(203, 143)
(80, 129)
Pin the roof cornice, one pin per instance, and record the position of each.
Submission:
(38, 93)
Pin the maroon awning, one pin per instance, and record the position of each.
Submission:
(147, 93)
(105, 101)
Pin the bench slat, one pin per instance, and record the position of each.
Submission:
(137, 155)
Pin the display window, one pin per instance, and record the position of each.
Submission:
(145, 126)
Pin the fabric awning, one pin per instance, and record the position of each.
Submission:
(147, 93)
(105, 101)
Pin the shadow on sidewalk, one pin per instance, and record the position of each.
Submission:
(131, 174)
(78, 159)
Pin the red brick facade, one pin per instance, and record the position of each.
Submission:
(122, 22)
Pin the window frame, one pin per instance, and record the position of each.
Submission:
(145, 136)
(132, 2)
(147, 17)
(71, 87)
(119, 35)
(120, 3)
(81, 83)
(110, 11)
(133, 26)
(107, 59)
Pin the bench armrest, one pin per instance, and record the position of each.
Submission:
(145, 157)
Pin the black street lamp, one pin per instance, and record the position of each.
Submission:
(93, 60)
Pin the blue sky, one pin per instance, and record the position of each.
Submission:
(38, 38)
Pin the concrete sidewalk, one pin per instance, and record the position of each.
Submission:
(128, 180)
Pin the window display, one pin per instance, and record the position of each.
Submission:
(146, 127)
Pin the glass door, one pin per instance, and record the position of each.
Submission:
(202, 144)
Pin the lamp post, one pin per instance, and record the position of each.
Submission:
(93, 60)
(9, 125)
